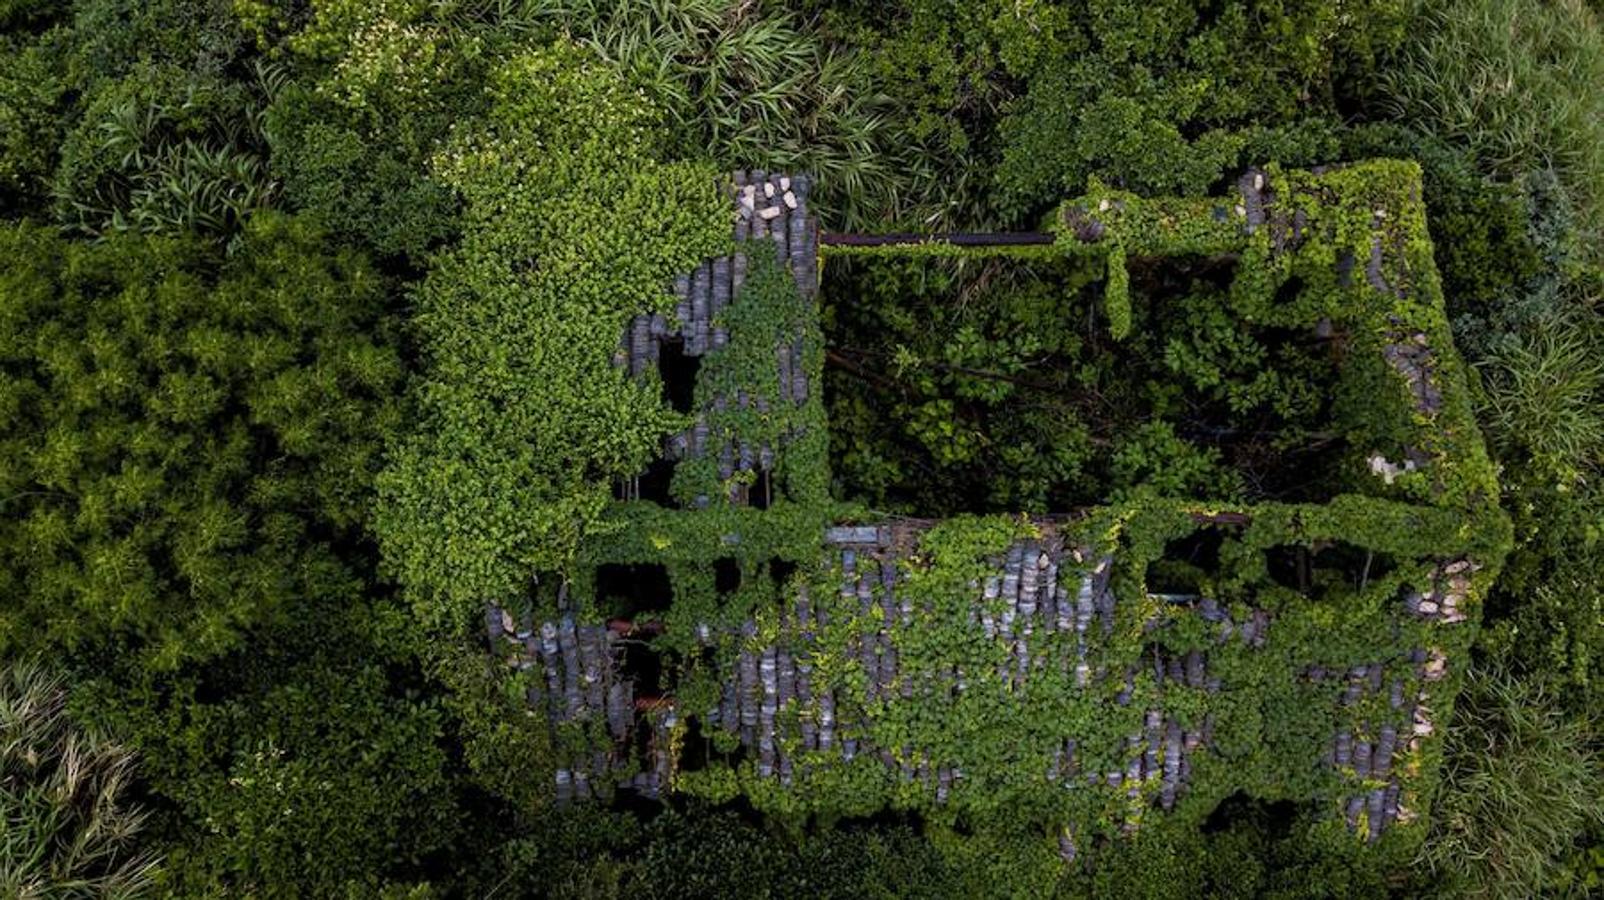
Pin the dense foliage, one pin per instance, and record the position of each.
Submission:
(527, 422)
(306, 317)
(187, 438)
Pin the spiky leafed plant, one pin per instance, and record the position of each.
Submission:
(66, 827)
(748, 84)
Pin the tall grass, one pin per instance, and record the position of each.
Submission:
(1522, 784)
(1544, 397)
(66, 829)
(1517, 82)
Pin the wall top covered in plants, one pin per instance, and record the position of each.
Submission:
(734, 631)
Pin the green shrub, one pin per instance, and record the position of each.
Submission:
(112, 37)
(358, 182)
(32, 97)
(293, 770)
(715, 854)
(1542, 393)
(1521, 784)
(184, 439)
(70, 830)
(1253, 849)
(749, 86)
(1166, 97)
(990, 384)
(515, 452)
(582, 853)
(862, 861)
(382, 85)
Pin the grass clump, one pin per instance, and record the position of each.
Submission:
(1542, 399)
(1521, 780)
(1514, 82)
(69, 830)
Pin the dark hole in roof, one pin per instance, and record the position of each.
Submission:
(761, 496)
(652, 485)
(656, 480)
(643, 665)
(628, 591)
(1289, 290)
(781, 571)
(1289, 566)
(1329, 567)
(696, 747)
(1186, 562)
(1201, 548)
(1274, 818)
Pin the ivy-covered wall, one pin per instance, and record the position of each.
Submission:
(1065, 680)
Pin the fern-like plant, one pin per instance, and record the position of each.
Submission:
(66, 827)
(165, 152)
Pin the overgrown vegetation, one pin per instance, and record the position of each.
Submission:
(307, 313)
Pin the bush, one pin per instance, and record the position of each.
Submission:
(750, 86)
(715, 854)
(515, 452)
(382, 85)
(32, 97)
(163, 151)
(1542, 394)
(1166, 97)
(70, 830)
(297, 769)
(201, 37)
(185, 441)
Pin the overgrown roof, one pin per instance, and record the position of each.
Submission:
(737, 632)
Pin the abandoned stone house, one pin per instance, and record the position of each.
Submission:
(1048, 608)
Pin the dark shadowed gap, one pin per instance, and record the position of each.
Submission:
(726, 575)
(1327, 567)
(781, 571)
(761, 495)
(1274, 818)
(697, 746)
(1186, 562)
(631, 591)
(678, 371)
(1289, 567)
(652, 485)
(1288, 291)
(643, 665)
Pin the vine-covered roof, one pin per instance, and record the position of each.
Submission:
(737, 632)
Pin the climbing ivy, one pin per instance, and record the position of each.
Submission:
(525, 421)
(1359, 266)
